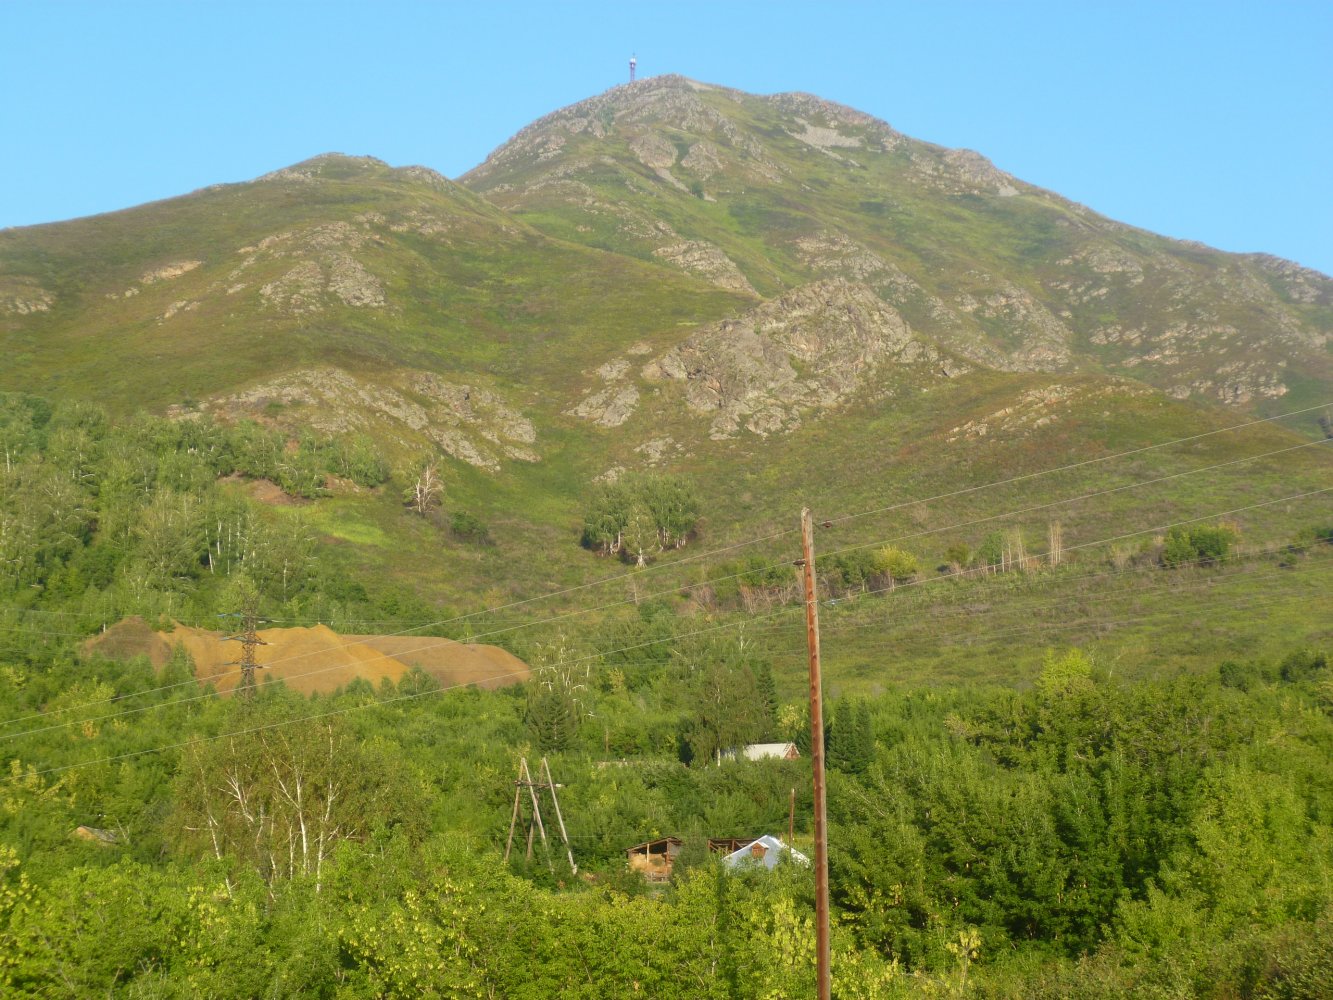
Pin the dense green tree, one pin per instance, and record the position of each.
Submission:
(280, 800)
(639, 513)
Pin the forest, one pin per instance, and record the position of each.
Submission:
(1096, 832)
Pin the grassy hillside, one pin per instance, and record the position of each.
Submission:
(1072, 487)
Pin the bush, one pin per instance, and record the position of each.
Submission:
(1243, 676)
(896, 565)
(1302, 665)
(469, 528)
(1204, 544)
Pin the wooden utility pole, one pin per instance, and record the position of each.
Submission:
(791, 818)
(535, 824)
(817, 758)
(550, 783)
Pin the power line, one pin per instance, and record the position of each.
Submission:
(1137, 590)
(1083, 623)
(577, 613)
(442, 690)
(1077, 465)
(675, 638)
(1068, 500)
(1007, 514)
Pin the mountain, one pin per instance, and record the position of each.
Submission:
(763, 194)
(674, 275)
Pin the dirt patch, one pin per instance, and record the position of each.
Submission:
(315, 659)
(264, 491)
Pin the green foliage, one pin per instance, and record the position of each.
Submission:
(851, 736)
(1201, 544)
(896, 565)
(640, 513)
(279, 800)
(556, 696)
(725, 705)
(1303, 665)
(469, 528)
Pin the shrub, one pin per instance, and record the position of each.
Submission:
(469, 528)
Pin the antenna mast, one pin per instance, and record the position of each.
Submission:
(633, 64)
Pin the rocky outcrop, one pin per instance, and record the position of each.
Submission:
(706, 260)
(1024, 335)
(323, 267)
(168, 271)
(809, 349)
(662, 103)
(471, 423)
(315, 168)
(1037, 408)
(23, 297)
(614, 401)
(1301, 284)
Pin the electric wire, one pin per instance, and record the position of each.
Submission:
(572, 614)
(1167, 588)
(1077, 465)
(412, 696)
(26, 775)
(577, 613)
(634, 574)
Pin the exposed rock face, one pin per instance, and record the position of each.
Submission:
(704, 259)
(703, 159)
(425, 175)
(827, 125)
(311, 170)
(23, 297)
(471, 423)
(1301, 284)
(168, 271)
(834, 253)
(973, 171)
(1037, 340)
(325, 267)
(1034, 409)
(608, 407)
(614, 403)
(811, 348)
(653, 151)
(669, 102)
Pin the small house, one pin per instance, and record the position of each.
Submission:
(654, 858)
(766, 851)
(96, 835)
(771, 751)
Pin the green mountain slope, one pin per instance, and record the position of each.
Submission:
(765, 193)
(782, 298)
(336, 261)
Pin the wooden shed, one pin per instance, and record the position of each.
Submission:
(654, 858)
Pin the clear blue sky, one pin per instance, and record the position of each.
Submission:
(1205, 121)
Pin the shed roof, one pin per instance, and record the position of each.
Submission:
(660, 844)
(764, 751)
(767, 851)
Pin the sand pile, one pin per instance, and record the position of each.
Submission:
(314, 659)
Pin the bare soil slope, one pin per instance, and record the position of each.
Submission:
(314, 659)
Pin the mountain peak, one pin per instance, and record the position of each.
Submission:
(326, 166)
(342, 167)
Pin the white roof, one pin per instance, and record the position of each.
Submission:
(761, 751)
(774, 849)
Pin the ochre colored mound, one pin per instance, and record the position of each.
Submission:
(314, 659)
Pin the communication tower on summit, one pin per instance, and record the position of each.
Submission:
(633, 64)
